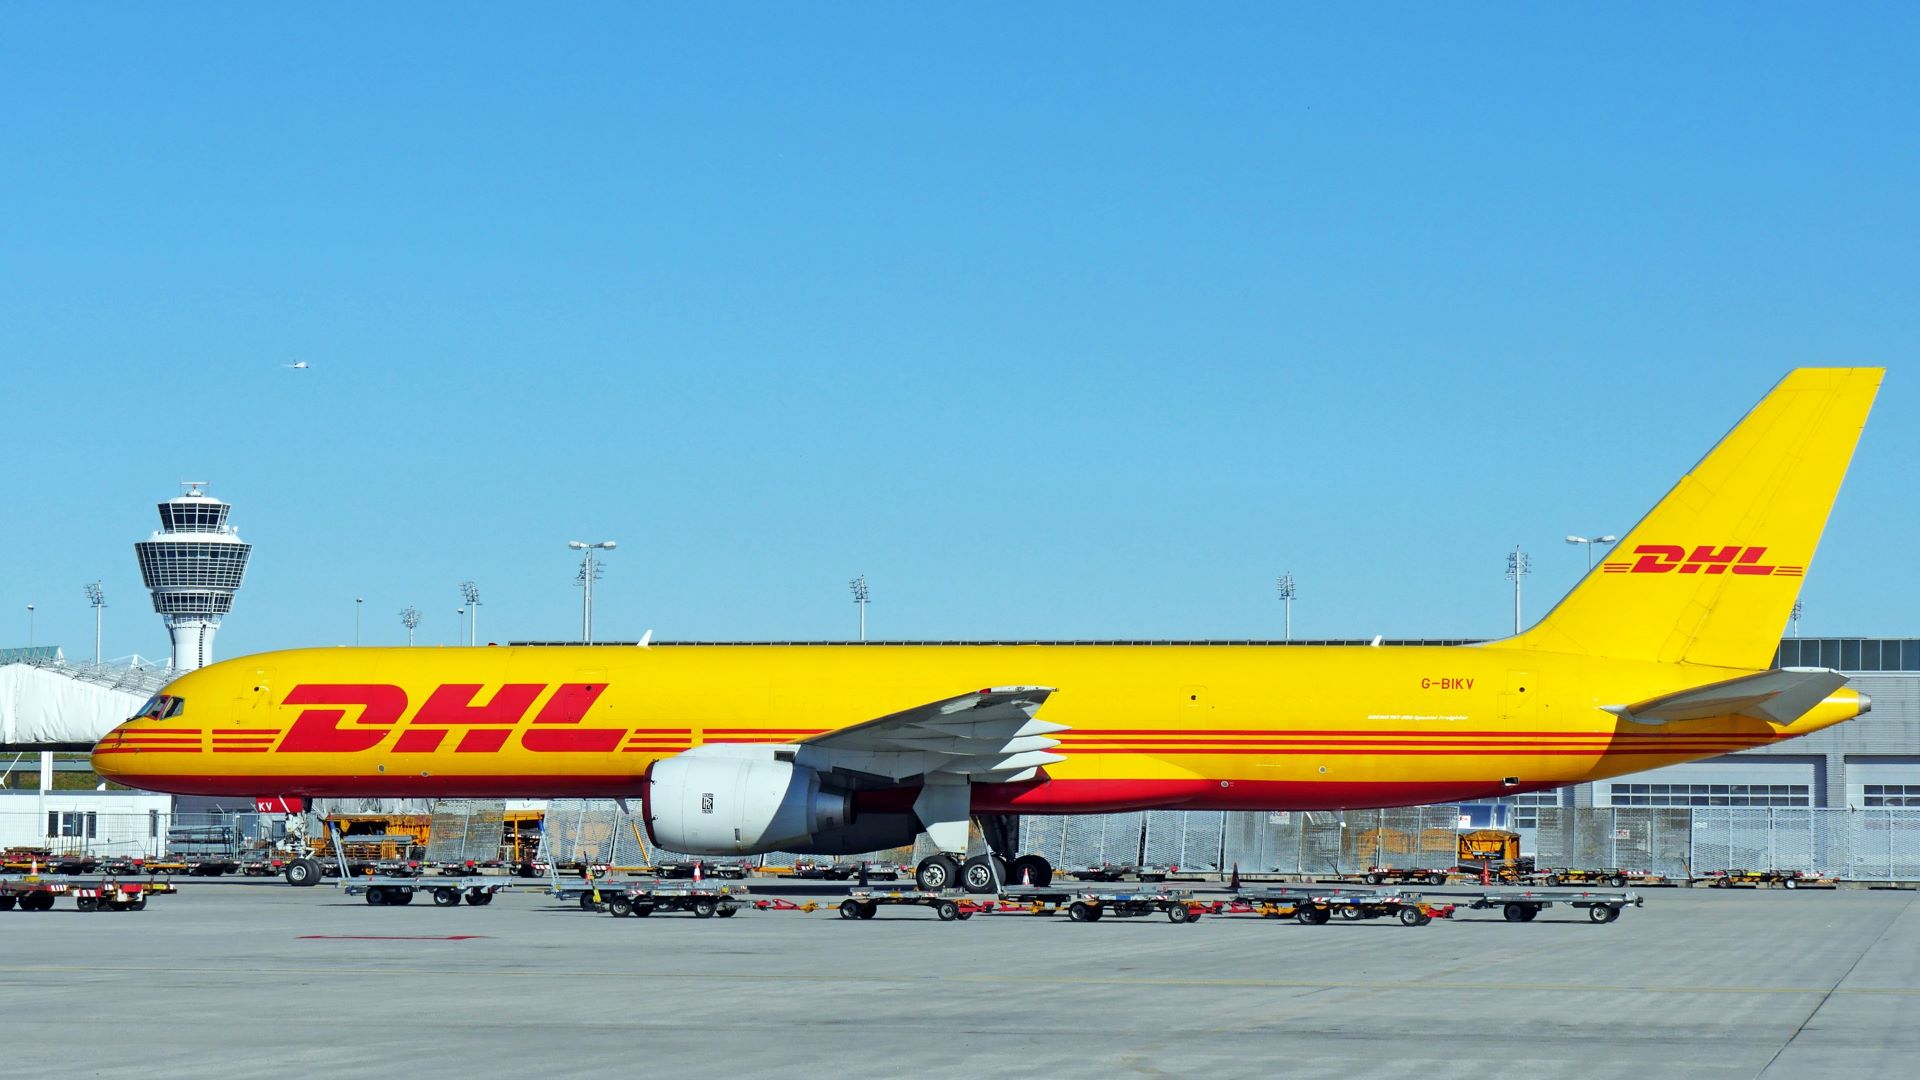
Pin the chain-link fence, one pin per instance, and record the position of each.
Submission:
(1860, 845)
(466, 830)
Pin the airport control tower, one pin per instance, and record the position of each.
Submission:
(193, 565)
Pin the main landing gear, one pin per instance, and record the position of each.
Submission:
(989, 872)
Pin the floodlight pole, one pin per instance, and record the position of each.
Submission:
(471, 594)
(358, 603)
(1285, 584)
(98, 599)
(861, 596)
(1519, 565)
(589, 570)
(410, 618)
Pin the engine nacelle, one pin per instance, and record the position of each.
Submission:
(726, 799)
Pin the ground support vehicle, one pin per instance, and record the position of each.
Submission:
(1611, 877)
(1390, 875)
(39, 859)
(34, 892)
(1767, 879)
(1524, 904)
(1177, 905)
(947, 904)
(704, 899)
(1116, 872)
(395, 890)
(735, 871)
(1315, 907)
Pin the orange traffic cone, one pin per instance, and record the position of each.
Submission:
(696, 871)
(1026, 875)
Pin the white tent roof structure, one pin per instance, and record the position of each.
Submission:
(46, 703)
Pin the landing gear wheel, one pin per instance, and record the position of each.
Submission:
(446, 897)
(1030, 869)
(620, 907)
(979, 874)
(946, 910)
(303, 872)
(479, 898)
(1412, 916)
(1601, 913)
(937, 872)
(704, 909)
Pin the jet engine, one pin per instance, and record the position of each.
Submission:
(741, 800)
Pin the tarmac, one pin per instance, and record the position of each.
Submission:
(242, 979)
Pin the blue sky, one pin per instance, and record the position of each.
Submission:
(1084, 323)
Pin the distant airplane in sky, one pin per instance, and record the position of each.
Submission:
(298, 365)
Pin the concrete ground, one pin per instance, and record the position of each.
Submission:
(243, 979)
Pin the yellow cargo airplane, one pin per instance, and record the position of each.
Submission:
(1660, 655)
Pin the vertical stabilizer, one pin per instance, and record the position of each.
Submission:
(1709, 576)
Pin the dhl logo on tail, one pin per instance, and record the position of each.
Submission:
(1704, 559)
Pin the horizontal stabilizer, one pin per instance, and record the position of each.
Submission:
(1780, 696)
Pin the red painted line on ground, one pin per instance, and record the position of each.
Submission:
(391, 937)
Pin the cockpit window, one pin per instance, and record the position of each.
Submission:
(161, 707)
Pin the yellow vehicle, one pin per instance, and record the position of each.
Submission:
(1659, 656)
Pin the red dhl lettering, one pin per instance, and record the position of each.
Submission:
(377, 711)
(1701, 559)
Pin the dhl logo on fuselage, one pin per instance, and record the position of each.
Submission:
(449, 714)
(1703, 559)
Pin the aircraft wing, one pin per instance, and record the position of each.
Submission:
(1780, 696)
(987, 736)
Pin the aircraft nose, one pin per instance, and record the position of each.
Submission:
(1866, 705)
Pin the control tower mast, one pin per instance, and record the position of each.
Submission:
(193, 564)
